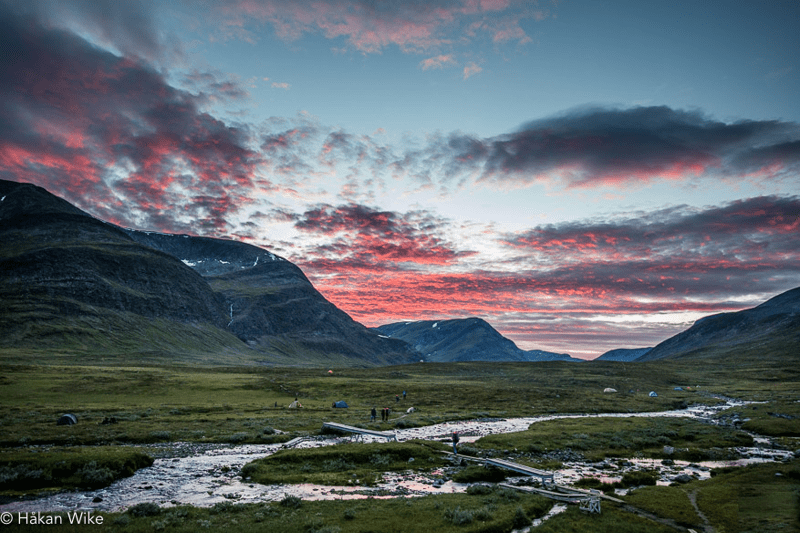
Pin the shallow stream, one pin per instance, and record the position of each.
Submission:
(205, 474)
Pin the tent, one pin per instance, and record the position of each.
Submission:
(653, 394)
(295, 405)
(67, 420)
(677, 388)
(340, 404)
(609, 389)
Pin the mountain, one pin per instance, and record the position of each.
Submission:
(465, 339)
(80, 286)
(770, 330)
(271, 304)
(623, 354)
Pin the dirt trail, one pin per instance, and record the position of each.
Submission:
(655, 518)
(706, 524)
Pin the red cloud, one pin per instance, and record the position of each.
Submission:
(626, 147)
(108, 132)
(370, 27)
(573, 282)
(366, 238)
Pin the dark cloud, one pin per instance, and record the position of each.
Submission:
(111, 135)
(614, 147)
(709, 253)
(215, 87)
(126, 26)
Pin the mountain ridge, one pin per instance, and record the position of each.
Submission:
(463, 339)
(772, 323)
(87, 286)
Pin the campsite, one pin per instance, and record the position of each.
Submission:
(219, 408)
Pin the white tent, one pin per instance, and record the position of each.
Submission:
(653, 394)
(294, 405)
(609, 389)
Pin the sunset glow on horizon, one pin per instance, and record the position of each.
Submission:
(582, 176)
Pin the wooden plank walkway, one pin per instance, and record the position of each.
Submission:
(359, 431)
(590, 493)
(587, 500)
(522, 469)
(294, 442)
(573, 497)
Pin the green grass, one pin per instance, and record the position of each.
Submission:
(345, 464)
(22, 470)
(667, 502)
(761, 498)
(778, 419)
(157, 403)
(611, 520)
(495, 512)
(602, 437)
(202, 404)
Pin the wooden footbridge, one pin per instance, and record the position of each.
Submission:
(359, 432)
(543, 475)
(589, 500)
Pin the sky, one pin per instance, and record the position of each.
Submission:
(584, 175)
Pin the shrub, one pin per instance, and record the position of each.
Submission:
(459, 516)
(639, 478)
(248, 470)
(94, 476)
(521, 519)
(145, 509)
(236, 438)
(473, 473)
(380, 460)
(159, 436)
(291, 502)
(479, 490)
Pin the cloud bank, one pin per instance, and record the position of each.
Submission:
(111, 133)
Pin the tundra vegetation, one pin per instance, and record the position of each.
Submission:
(203, 404)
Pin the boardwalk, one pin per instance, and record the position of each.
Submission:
(589, 500)
(546, 477)
(359, 431)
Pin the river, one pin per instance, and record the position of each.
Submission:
(206, 474)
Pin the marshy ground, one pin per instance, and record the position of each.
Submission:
(120, 409)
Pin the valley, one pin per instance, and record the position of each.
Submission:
(216, 412)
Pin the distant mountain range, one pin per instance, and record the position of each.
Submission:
(624, 354)
(82, 289)
(467, 339)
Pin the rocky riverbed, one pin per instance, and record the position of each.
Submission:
(206, 474)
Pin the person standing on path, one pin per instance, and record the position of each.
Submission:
(455, 443)
(373, 414)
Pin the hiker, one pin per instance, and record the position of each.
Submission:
(396, 398)
(404, 395)
(455, 443)
(373, 414)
